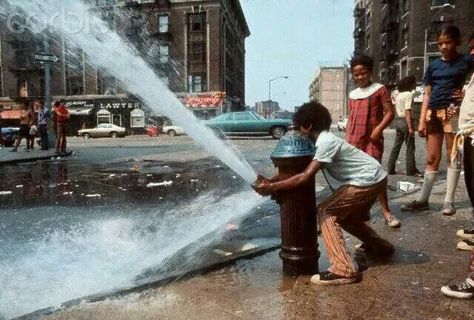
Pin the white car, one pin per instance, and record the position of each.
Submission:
(103, 130)
(173, 131)
(341, 124)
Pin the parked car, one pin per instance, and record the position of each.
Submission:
(248, 123)
(341, 124)
(8, 136)
(173, 130)
(103, 130)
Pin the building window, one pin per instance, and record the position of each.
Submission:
(437, 3)
(406, 6)
(197, 22)
(405, 37)
(164, 52)
(196, 83)
(163, 24)
(197, 52)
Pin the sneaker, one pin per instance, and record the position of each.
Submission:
(463, 290)
(466, 245)
(327, 278)
(448, 209)
(14, 150)
(415, 205)
(466, 234)
(393, 222)
(385, 249)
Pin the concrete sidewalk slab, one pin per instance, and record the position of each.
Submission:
(8, 157)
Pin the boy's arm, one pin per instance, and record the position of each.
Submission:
(293, 182)
(424, 110)
(409, 120)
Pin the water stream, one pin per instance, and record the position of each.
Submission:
(109, 51)
(52, 254)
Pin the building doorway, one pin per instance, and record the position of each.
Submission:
(117, 119)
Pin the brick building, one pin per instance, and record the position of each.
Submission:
(330, 88)
(401, 34)
(266, 108)
(196, 46)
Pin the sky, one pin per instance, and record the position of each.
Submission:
(292, 38)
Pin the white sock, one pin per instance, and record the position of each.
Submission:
(428, 183)
(451, 184)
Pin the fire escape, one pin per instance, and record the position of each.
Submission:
(389, 30)
(359, 29)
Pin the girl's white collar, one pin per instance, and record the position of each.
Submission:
(362, 93)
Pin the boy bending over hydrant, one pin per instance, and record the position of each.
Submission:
(356, 179)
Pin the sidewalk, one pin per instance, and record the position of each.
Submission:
(7, 157)
(406, 287)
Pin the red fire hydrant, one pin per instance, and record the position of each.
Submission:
(299, 247)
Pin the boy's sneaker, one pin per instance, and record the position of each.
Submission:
(463, 290)
(415, 205)
(467, 245)
(448, 209)
(393, 222)
(386, 249)
(327, 278)
(467, 234)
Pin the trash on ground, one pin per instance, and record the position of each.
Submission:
(95, 195)
(158, 184)
(406, 186)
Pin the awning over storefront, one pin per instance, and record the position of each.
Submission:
(10, 114)
(80, 112)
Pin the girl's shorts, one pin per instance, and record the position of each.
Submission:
(437, 121)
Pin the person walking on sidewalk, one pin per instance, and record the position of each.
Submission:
(43, 118)
(26, 120)
(356, 180)
(438, 119)
(62, 118)
(465, 139)
(403, 124)
(370, 112)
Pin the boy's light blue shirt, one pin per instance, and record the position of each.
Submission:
(343, 164)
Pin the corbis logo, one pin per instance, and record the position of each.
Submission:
(70, 22)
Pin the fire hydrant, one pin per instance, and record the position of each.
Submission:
(299, 247)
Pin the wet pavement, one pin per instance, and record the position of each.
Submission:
(115, 183)
(403, 287)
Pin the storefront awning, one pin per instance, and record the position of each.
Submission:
(80, 112)
(10, 114)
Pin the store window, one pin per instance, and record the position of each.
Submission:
(103, 116)
(163, 24)
(137, 118)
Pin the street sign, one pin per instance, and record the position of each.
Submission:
(46, 57)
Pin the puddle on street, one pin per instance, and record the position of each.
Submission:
(67, 184)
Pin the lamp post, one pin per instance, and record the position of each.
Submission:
(270, 85)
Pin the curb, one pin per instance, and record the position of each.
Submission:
(33, 159)
(224, 258)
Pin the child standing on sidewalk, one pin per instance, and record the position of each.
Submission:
(466, 132)
(356, 179)
(403, 124)
(438, 119)
(370, 112)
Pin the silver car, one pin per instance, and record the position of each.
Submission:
(103, 130)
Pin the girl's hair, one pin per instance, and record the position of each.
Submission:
(57, 103)
(313, 115)
(471, 37)
(406, 84)
(451, 32)
(362, 60)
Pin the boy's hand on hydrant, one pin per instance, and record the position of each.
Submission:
(261, 185)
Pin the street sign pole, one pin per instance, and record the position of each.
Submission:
(47, 74)
(47, 90)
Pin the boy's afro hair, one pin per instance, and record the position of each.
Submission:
(313, 115)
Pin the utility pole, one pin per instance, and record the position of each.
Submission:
(47, 73)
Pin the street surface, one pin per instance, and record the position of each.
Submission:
(135, 194)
